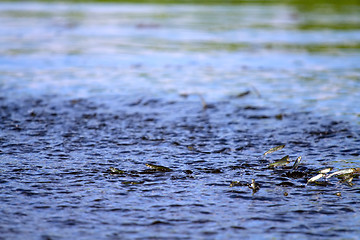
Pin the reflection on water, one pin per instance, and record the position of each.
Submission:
(202, 89)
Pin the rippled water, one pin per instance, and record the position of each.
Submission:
(202, 89)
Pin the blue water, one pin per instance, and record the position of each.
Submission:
(202, 89)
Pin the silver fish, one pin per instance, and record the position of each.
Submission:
(281, 162)
(326, 170)
(316, 177)
(274, 149)
(296, 164)
(343, 172)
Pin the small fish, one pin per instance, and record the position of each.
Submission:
(317, 177)
(203, 102)
(274, 149)
(281, 162)
(243, 94)
(254, 186)
(297, 163)
(116, 170)
(158, 168)
(344, 171)
(325, 170)
(132, 182)
(235, 183)
(191, 148)
(322, 173)
(347, 178)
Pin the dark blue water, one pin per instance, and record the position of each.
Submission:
(202, 89)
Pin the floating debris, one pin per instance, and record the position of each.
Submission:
(274, 149)
(297, 163)
(159, 168)
(282, 162)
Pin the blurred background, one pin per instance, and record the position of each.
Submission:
(296, 53)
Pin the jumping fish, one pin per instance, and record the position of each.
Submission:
(116, 170)
(282, 162)
(326, 170)
(296, 164)
(321, 173)
(254, 186)
(316, 177)
(344, 172)
(348, 178)
(158, 168)
(274, 149)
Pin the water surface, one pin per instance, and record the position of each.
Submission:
(202, 89)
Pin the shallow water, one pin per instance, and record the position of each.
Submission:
(202, 89)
